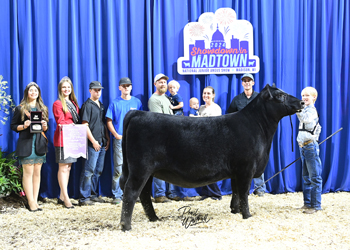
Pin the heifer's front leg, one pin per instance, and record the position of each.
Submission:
(235, 197)
(243, 186)
(245, 207)
(146, 201)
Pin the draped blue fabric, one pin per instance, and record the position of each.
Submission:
(299, 43)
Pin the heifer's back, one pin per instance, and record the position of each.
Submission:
(193, 152)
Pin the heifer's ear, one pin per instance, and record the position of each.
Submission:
(274, 85)
(266, 92)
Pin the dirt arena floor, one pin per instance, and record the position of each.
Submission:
(277, 223)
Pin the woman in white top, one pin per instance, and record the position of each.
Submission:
(210, 108)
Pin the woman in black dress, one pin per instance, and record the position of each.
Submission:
(31, 147)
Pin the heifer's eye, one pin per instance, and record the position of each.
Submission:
(281, 97)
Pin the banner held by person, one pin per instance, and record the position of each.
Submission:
(74, 141)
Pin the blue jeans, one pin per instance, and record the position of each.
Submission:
(180, 112)
(211, 190)
(117, 172)
(311, 171)
(90, 174)
(258, 182)
(160, 188)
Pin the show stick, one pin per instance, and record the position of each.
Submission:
(296, 160)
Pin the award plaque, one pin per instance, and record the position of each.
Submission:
(35, 125)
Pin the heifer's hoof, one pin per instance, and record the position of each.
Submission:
(124, 227)
(235, 211)
(246, 216)
(155, 218)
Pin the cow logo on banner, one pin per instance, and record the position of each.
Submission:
(218, 44)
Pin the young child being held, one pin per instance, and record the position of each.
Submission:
(175, 99)
(309, 132)
(194, 106)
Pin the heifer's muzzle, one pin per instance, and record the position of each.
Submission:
(302, 103)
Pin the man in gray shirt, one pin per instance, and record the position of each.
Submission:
(160, 103)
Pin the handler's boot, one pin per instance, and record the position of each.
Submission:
(176, 198)
(98, 199)
(86, 203)
(310, 211)
(305, 207)
(161, 199)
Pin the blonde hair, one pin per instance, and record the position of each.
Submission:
(40, 106)
(312, 91)
(71, 95)
(175, 83)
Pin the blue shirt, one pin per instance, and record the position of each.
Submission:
(118, 109)
(175, 100)
(193, 112)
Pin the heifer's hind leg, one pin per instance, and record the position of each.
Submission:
(146, 201)
(235, 197)
(243, 186)
(132, 190)
(127, 209)
(122, 181)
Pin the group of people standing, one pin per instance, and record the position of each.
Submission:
(31, 147)
(172, 104)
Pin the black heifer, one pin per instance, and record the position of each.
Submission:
(193, 152)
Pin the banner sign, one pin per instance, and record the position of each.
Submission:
(74, 141)
(218, 44)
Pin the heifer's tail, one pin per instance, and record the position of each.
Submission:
(125, 168)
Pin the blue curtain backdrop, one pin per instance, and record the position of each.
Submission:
(299, 43)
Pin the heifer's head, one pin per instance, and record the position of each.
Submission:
(283, 104)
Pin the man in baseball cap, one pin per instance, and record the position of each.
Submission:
(250, 76)
(125, 80)
(92, 114)
(237, 104)
(160, 103)
(160, 76)
(115, 117)
(95, 85)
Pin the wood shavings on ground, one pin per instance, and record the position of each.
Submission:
(277, 223)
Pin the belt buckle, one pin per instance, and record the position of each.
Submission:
(305, 143)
